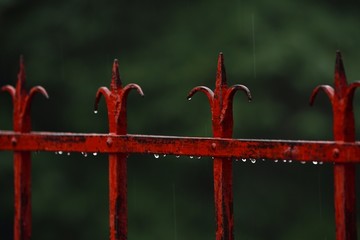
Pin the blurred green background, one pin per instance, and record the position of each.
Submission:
(280, 49)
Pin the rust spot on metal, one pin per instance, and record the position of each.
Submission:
(13, 141)
(109, 141)
(336, 153)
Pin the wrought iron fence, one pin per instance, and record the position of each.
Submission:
(343, 152)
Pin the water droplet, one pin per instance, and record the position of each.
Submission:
(263, 159)
(243, 159)
(302, 162)
(189, 98)
(164, 155)
(284, 160)
(290, 161)
(253, 160)
(84, 154)
(68, 154)
(198, 157)
(56, 153)
(177, 156)
(60, 152)
(191, 157)
(315, 162)
(320, 163)
(95, 153)
(95, 111)
(236, 160)
(276, 160)
(156, 155)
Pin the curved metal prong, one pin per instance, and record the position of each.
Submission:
(10, 89)
(38, 89)
(29, 97)
(101, 91)
(351, 88)
(130, 86)
(233, 89)
(326, 88)
(208, 92)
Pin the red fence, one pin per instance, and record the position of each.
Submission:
(344, 152)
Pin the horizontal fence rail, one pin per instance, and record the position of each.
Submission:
(307, 151)
(343, 152)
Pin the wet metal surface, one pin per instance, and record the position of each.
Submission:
(116, 106)
(22, 160)
(341, 98)
(343, 152)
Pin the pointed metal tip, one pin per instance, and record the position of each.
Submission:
(221, 73)
(221, 57)
(21, 73)
(339, 65)
(340, 81)
(221, 60)
(115, 64)
(21, 59)
(115, 78)
(338, 57)
(21, 62)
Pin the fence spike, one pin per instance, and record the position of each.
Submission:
(220, 101)
(341, 98)
(116, 99)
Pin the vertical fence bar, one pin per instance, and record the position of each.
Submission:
(222, 123)
(341, 97)
(116, 106)
(22, 160)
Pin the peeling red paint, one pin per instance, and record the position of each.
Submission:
(22, 160)
(116, 106)
(343, 152)
(341, 98)
(221, 102)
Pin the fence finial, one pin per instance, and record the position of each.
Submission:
(22, 160)
(116, 98)
(22, 99)
(220, 73)
(341, 97)
(340, 82)
(115, 77)
(221, 102)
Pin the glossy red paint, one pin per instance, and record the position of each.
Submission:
(116, 106)
(302, 151)
(343, 152)
(341, 98)
(221, 102)
(22, 160)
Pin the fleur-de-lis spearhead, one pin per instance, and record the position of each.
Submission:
(221, 99)
(21, 98)
(116, 97)
(341, 90)
(341, 98)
